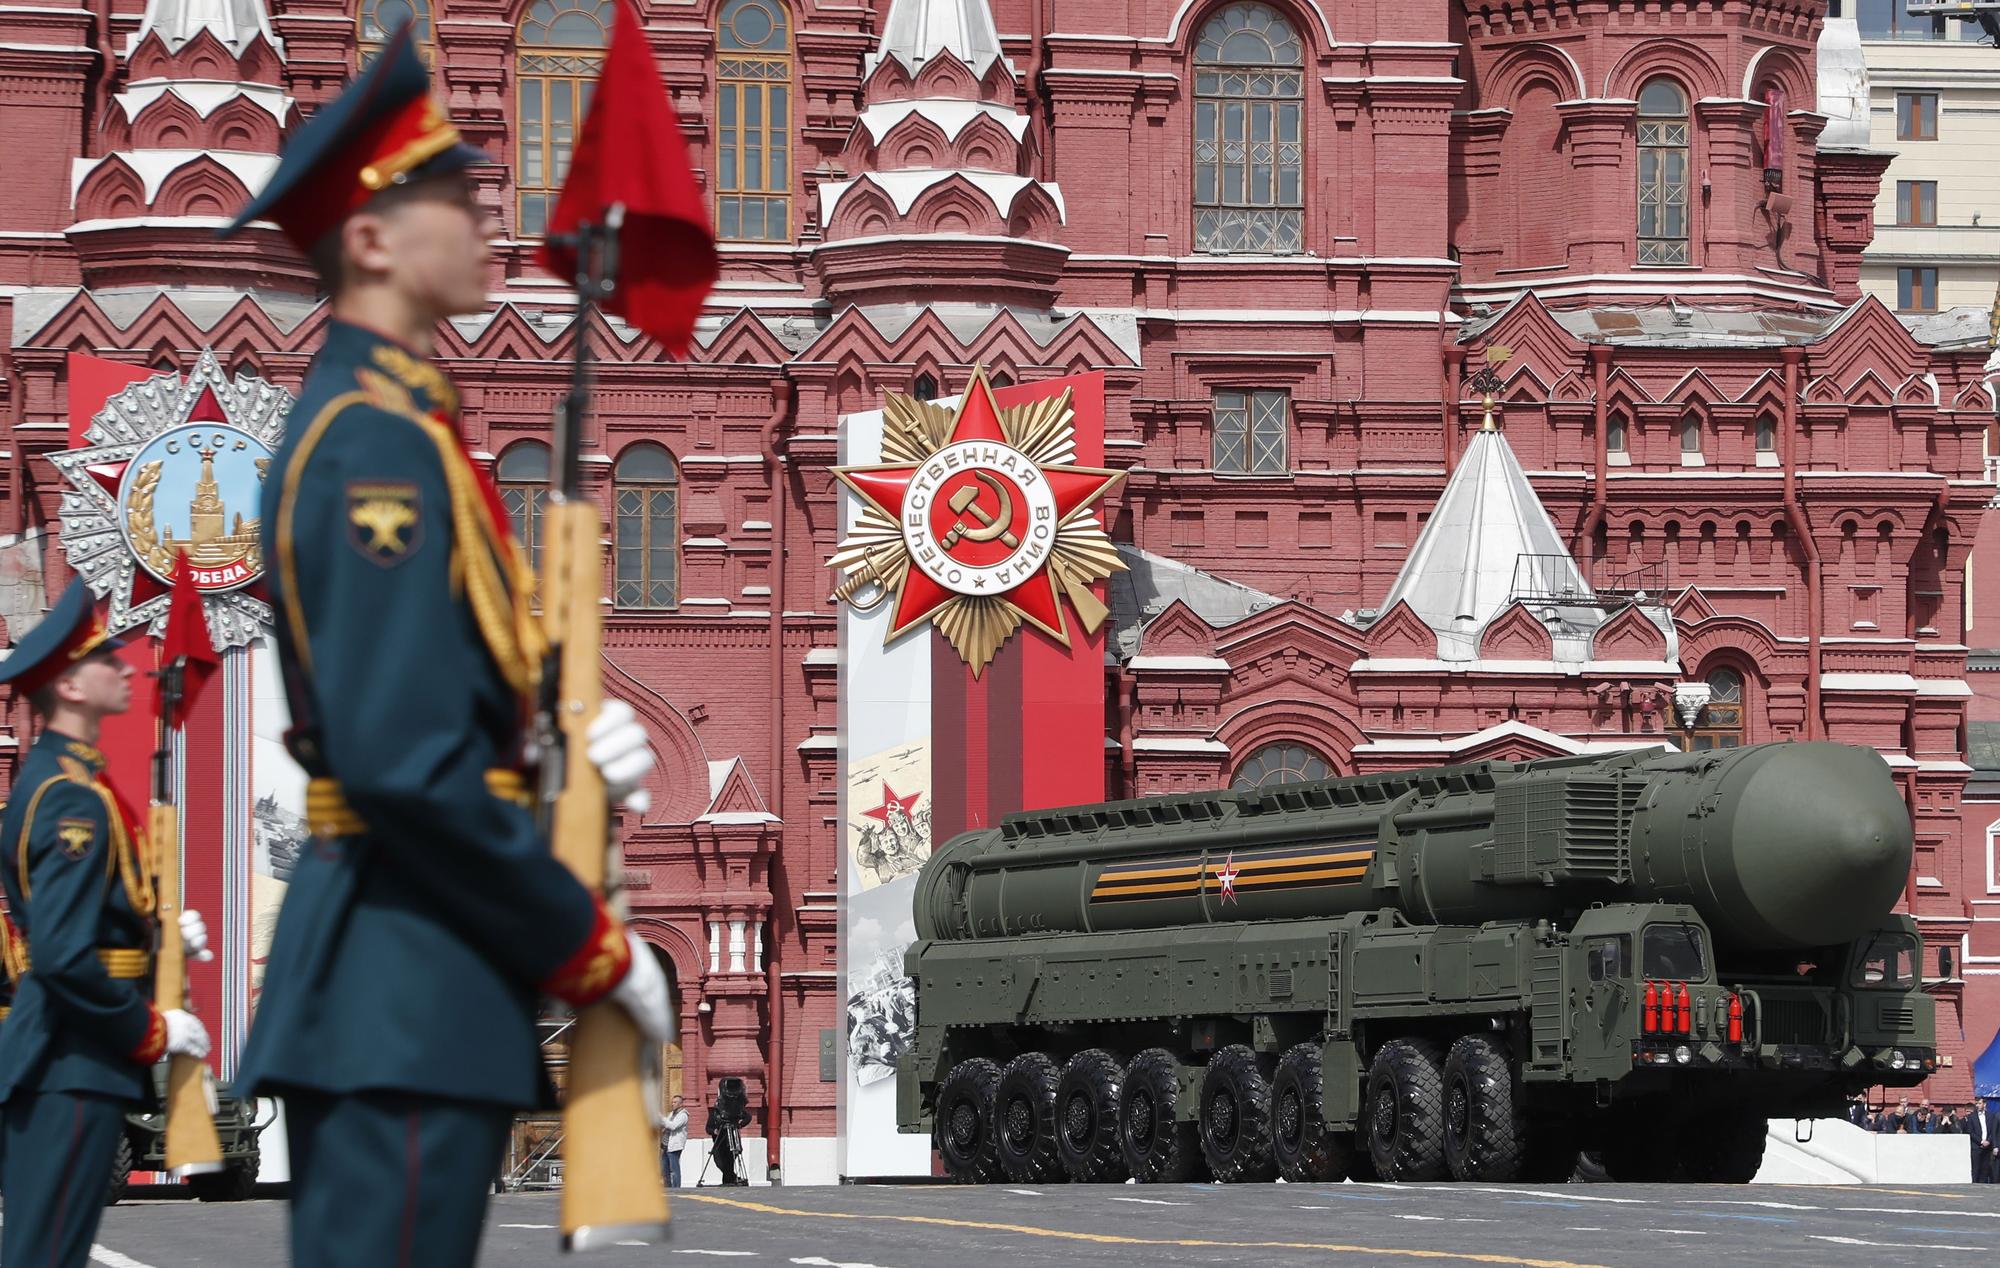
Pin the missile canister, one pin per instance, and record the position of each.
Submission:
(1778, 846)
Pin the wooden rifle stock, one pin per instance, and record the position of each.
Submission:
(192, 1145)
(612, 1189)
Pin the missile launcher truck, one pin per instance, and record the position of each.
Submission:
(1471, 971)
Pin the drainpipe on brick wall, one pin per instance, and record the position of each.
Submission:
(1795, 515)
(1454, 366)
(774, 1058)
(10, 419)
(1593, 519)
(1128, 767)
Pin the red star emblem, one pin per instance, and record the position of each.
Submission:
(890, 799)
(888, 488)
(1227, 877)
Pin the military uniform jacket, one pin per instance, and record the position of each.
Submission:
(428, 911)
(75, 888)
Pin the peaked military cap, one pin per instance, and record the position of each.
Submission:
(385, 129)
(70, 632)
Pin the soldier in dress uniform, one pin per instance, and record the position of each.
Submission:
(397, 1018)
(80, 1042)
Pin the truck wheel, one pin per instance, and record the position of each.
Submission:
(1236, 1117)
(1087, 1100)
(1485, 1132)
(1405, 1110)
(236, 1182)
(1728, 1150)
(121, 1171)
(1306, 1152)
(964, 1136)
(1157, 1147)
(1024, 1120)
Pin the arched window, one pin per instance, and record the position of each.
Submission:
(1690, 435)
(562, 45)
(523, 477)
(924, 387)
(1281, 764)
(753, 108)
(1663, 173)
(1767, 434)
(1720, 722)
(1249, 133)
(647, 510)
(1617, 433)
(377, 20)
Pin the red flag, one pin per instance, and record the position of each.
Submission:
(188, 636)
(631, 151)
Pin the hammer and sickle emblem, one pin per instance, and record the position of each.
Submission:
(966, 502)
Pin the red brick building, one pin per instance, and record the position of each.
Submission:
(1289, 232)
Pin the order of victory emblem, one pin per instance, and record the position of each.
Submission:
(171, 468)
(978, 521)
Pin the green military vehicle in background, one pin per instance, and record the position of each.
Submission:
(238, 1126)
(1474, 971)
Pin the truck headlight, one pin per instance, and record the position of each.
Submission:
(1682, 1056)
(1897, 1060)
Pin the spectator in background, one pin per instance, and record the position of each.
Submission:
(1857, 1111)
(674, 1141)
(1895, 1121)
(1988, 1140)
(1923, 1123)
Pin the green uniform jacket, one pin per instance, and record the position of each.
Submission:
(408, 955)
(74, 1027)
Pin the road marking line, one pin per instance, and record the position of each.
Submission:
(817, 1261)
(1737, 1215)
(1110, 1239)
(1529, 1193)
(1918, 1210)
(527, 1226)
(743, 1254)
(1441, 1219)
(1775, 1206)
(1152, 1201)
(1856, 1241)
(112, 1259)
(1026, 1193)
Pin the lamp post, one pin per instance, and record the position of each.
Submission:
(1690, 698)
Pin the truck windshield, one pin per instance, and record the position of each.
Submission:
(1889, 962)
(1674, 952)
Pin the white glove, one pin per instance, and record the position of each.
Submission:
(623, 753)
(194, 936)
(186, 1036)
(643, 992)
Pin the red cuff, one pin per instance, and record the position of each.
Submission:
(154, 1045)
(596, 967)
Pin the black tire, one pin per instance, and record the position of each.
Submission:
(1156, 1146)
(121, 1171)
(1485, 1129)
(1590, 1168)
(964, 1133)
(1087, 1100)
(1024, 1120)
(1236, 1117)
(1723, 1149)
(236, 1182)
(1305, 1151)
(1404, 1110)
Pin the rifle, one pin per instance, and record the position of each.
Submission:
(612, 1190)
(192, 1146)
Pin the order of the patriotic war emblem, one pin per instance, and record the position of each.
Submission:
(170, 468)
(977, 521)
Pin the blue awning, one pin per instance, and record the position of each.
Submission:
(1986, 1071)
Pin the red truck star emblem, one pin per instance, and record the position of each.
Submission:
(1226, 876)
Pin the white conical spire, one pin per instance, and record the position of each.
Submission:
(918, 30)
(234, 22)
(1462, 571)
